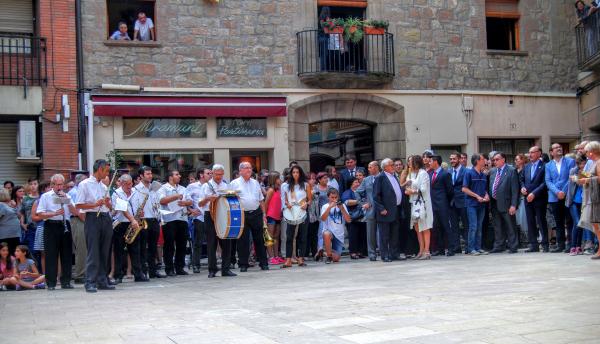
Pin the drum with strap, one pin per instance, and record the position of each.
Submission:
(294, 215)
(228, 216)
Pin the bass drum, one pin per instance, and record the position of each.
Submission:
(295, 215)
(228, 217)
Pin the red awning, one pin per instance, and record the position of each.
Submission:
(171, 106)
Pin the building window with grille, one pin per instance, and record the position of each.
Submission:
(502, 24)
(131, 20)
(510, 147)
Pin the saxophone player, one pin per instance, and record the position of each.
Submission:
(174, 201)
(126, 218)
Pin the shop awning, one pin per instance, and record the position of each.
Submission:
(171, 106)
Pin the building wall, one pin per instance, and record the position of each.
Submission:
(252, 43)
(57, 24)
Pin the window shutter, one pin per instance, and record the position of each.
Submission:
(502, 8)
(343, 3)
(16, 16)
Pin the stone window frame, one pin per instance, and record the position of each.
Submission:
(148, 44)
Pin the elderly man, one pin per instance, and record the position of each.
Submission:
(504, 188)
(533, 187)
(365, 190)
(78, 235)
(56, 207)
(387, 196)
(252, 201)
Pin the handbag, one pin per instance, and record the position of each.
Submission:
(418, 209)
(357, 213)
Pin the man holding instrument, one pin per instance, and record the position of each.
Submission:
(252, 201)
(93, 199)
(210, 193)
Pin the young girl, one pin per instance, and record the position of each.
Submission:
(25, 270)
(334, 216)
(273, 202)
(7, 263)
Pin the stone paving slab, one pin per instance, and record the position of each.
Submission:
(507, 299)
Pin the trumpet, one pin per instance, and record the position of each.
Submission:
(266, 236)
(112, 181)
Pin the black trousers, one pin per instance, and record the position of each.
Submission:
(559, 212)
(300, 238)
(149, 251)
(460, 225)
(357, 238)
(313, 238)
(443, 232)
(98, 238)
(505, 234)
(135, 254)
(175, 235)
(199, 238)
(253, 224)
(211, 245)
(134, 250)
(58, 242)
(536, 213)
(118, 248)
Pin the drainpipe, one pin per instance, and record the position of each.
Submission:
(80, 85)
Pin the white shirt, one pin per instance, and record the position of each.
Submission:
(335, 222)
(297, 196)
(120, 193)
(73, 192)
(396, 185)
(144, 29)
(558, 165)
(180, 212)
(250, 193)
(211, 188)
(195, 193)
(137, 198)
(90, 191)
(46, 204)
(332, 183)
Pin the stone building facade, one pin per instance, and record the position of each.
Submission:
(446, 82)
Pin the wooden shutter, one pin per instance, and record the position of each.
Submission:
(343, 3)
(16, 16)
(502, 8)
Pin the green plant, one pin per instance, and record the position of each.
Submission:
(114, 158)
(330, 24)
(353, 30)
(379, 24)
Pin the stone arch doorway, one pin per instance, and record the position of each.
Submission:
(385, 117)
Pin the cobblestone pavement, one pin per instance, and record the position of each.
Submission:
(521, 298)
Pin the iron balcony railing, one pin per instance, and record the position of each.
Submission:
(22, 60)
(319, 52)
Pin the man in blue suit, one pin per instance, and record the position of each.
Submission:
(458, 211)
(387, 196)
(442, 193)
(533, 187)
(348, 174)
(557, 181)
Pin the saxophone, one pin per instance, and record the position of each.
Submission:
(131, 233)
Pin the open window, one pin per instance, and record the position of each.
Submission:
(127, 11)
(502, 24)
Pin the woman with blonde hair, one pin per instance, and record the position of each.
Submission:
(590, 207)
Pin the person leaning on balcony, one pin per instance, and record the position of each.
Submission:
(144, 28)
(583, 11)
(121, 34)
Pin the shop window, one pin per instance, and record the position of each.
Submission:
(127, 11)
(510, 147)
(502, 24)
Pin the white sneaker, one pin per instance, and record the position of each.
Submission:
(475, 253)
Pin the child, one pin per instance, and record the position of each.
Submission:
(273, 202)
(7, 263)
(334, 216)
(26, 272)
(121, 34)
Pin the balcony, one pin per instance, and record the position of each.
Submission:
(328, 61)
(22, 60)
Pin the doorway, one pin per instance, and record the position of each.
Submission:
(258, 159)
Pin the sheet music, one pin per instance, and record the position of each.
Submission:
(121, 205)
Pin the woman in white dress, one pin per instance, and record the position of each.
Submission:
(418, 189)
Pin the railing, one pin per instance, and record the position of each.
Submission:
(22, 60)
(321, 53)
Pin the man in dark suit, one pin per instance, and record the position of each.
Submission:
(557, 181)
(348, 174)
(504, 188)
(533, 187)
(406, 244)
(458, 210)
(442, 193)
(387, 196)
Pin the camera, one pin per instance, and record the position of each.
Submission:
(339, 202)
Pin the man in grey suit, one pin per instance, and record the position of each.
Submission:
(504, 189)
(365, 191)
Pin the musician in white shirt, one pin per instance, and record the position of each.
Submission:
(93, 200)
(173, 200)
(194, 192)
(56, 208)
(210, 190)
(293, 194)
(252, 201)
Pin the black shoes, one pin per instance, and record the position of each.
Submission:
(373, 259)
(243, 269)
(196, 269)
(387, 260)
(264, 268)
(496, 250)
(91, 289)
(212, 275)
(182, 272)
(157, 274)
(559, 249)
(531, 250)
(546, 249)
(142, 278)
(512, 251)
(51, 288)
(171, 273)
(449, 254)
(106, 287)
(65, 286)
(227, 273)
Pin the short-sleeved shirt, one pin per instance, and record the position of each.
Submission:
(195, 193)
(477, 183)
(335, 222)
(180, 212)
(91, 190)
(10, 227)
(120, 193)
(4, 272)
(139, 194)
(26, 266)
(118, 36)
(250, 193)
(211, 188)
(144, 29)
(47, 204)
(26, 206)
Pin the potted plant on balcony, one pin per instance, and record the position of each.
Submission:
(353, 30)
(376, 27)
(335, 25)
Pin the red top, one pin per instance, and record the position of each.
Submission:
(274, 206)
(6, 273)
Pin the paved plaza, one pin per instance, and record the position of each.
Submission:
(521, 298)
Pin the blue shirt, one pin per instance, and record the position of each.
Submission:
(477, 183)
(577, 198)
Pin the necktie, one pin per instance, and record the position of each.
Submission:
(533, 168)
(453, 176)
(496, 183)
(434, 177)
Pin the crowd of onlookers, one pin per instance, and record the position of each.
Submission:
(390, 210)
